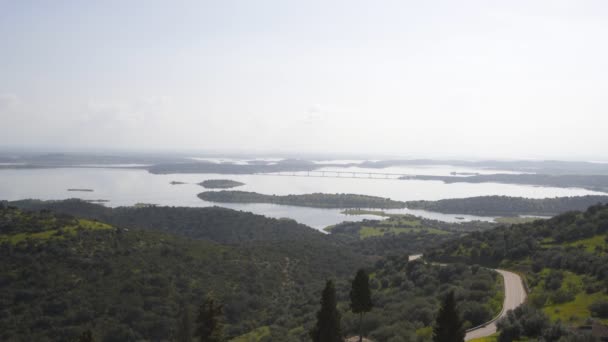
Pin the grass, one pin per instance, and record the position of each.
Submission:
(364, 212)
(491, 338)
(576, 311)
(54, 233)
(254, 335)
(590, 244)
(402, 220)
(366, 232)
(496, 302)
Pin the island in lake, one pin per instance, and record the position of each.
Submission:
(316, 200)
(176, 183)
(220, 184)
(81, 190)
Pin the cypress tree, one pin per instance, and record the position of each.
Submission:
(360, 297)
(184, 329)
(327, 328)
(448, 327)
(209, 325)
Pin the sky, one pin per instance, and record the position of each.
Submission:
(474, 79)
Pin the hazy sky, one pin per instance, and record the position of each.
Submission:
(416, 78)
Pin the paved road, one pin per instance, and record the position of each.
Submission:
(515, 295)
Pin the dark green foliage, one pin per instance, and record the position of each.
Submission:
(523, 321)
(220, 183)
(599, 309)
(86, 336)
(12, 221)
(129, 284)
(405, 297)
(527, 322)
(413, 242)
(209, 326)
(360, 293)
(212, 223)
(554, 279)
(508, 206)
(327, 328)
(316, 200)
(184, 328)
(448, 326)
(526, 240)
(360, 297)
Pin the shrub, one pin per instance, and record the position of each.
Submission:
(599, 309)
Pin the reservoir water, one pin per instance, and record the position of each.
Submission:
(126, 186)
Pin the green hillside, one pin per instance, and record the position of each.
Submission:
(509, 206)
(564, 261)
(61, 275)
(127, 280)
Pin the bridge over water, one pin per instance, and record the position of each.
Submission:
(339, 174)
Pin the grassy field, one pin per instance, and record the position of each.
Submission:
(491, 338)
(364, 212)
(573, 312)
(54, 233)
(596, 244)
(576, 311)
(366, 232)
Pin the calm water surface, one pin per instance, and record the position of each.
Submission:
(123, 187)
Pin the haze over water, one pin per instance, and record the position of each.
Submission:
(125, 187)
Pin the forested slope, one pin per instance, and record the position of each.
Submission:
(564, 260)
(315, 200)
(62, 275)
(508, 206)
(211, 223)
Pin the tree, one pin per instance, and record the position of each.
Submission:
(184, 329)
(360, 298)
(327, 328)
(448, 326)
(209, 325)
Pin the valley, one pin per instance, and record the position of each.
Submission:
(267, 271)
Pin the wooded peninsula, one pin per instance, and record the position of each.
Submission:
(315, 200)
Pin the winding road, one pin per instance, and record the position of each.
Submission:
(515, 295)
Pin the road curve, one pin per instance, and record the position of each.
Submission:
(515, 295)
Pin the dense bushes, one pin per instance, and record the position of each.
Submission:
(599, 309)
(545, 242)
(405, 296)
(529, 322)
(127, 284)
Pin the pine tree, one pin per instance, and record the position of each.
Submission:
(209, 325)
(448, 327)
(360, 298)
(327, 328)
